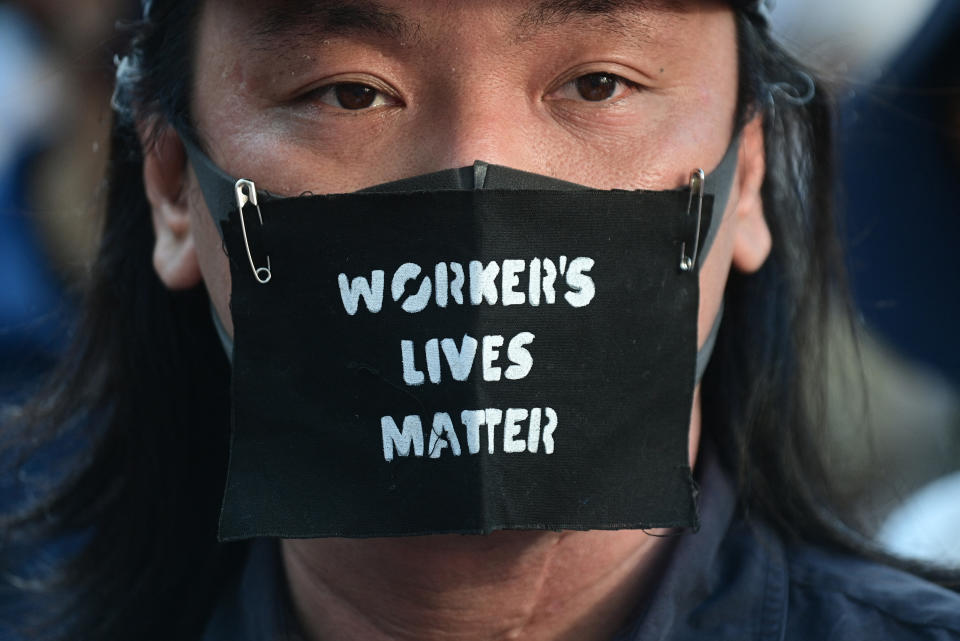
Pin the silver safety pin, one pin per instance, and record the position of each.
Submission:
(262, 274)
(697, 178)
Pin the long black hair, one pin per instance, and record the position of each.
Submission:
(142, 396)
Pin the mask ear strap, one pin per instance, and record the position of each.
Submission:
(217, 186)
(719, 183)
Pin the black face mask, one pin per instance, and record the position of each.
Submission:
(466, 351)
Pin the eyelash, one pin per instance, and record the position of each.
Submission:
(381, 98)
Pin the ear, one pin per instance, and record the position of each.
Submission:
(752, 240)
(165, 174)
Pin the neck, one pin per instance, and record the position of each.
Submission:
(508, 585)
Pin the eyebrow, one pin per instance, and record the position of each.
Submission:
(284, 24)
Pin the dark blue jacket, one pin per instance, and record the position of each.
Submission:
(733, 580)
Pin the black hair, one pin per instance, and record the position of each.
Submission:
(144, 393)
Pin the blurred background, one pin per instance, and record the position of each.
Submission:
(895, 66)
(895, 413)
(55, 86)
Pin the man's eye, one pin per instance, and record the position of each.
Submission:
(596, 87)
(353, 96)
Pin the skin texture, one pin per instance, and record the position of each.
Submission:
(472, 80)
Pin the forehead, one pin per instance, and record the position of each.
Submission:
(392, 17)
(270, 23)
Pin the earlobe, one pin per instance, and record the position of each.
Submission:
(753, 242)
(165, 172)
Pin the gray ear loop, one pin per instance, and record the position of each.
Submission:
(218, 193)
(719, 183)
(217, 186)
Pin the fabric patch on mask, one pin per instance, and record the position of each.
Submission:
(462, 362)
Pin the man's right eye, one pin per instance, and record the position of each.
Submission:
(352, 96)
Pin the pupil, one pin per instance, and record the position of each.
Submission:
(355, 96)
(596, 86)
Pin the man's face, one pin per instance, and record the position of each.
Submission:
(307, 95)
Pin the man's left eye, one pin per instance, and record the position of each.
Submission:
(352, 96)
(596, 87)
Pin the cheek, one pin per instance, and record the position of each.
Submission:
(214, 265)
(657, 151)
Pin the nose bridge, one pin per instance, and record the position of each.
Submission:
(481, 117)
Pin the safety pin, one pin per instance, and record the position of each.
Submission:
(688, 263)
(262, 274)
